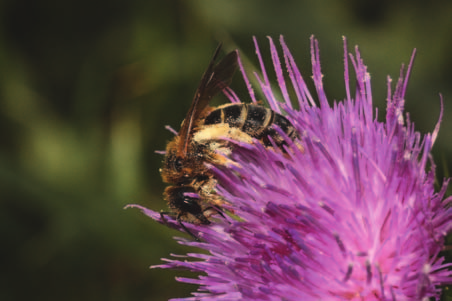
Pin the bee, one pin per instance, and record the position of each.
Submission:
(190, 196)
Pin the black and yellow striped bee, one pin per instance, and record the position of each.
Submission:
(190, 196)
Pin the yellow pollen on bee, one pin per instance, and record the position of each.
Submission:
(220, 131)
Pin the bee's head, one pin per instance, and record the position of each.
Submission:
(176, 169)
(178, 164)
(186, 201)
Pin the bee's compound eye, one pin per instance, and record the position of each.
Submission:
(178, 164)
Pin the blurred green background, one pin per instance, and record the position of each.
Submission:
(85, 92)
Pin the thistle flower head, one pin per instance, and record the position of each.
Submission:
(352, 215)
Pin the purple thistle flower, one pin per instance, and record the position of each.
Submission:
(352, 216)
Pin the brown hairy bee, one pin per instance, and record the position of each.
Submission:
(191, 197)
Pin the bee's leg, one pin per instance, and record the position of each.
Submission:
(178, 218)
(163, 213)
(179, 221)
(217, 209)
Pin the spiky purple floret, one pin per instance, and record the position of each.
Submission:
(353, 215)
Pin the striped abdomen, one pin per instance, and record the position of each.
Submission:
(254, 120)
